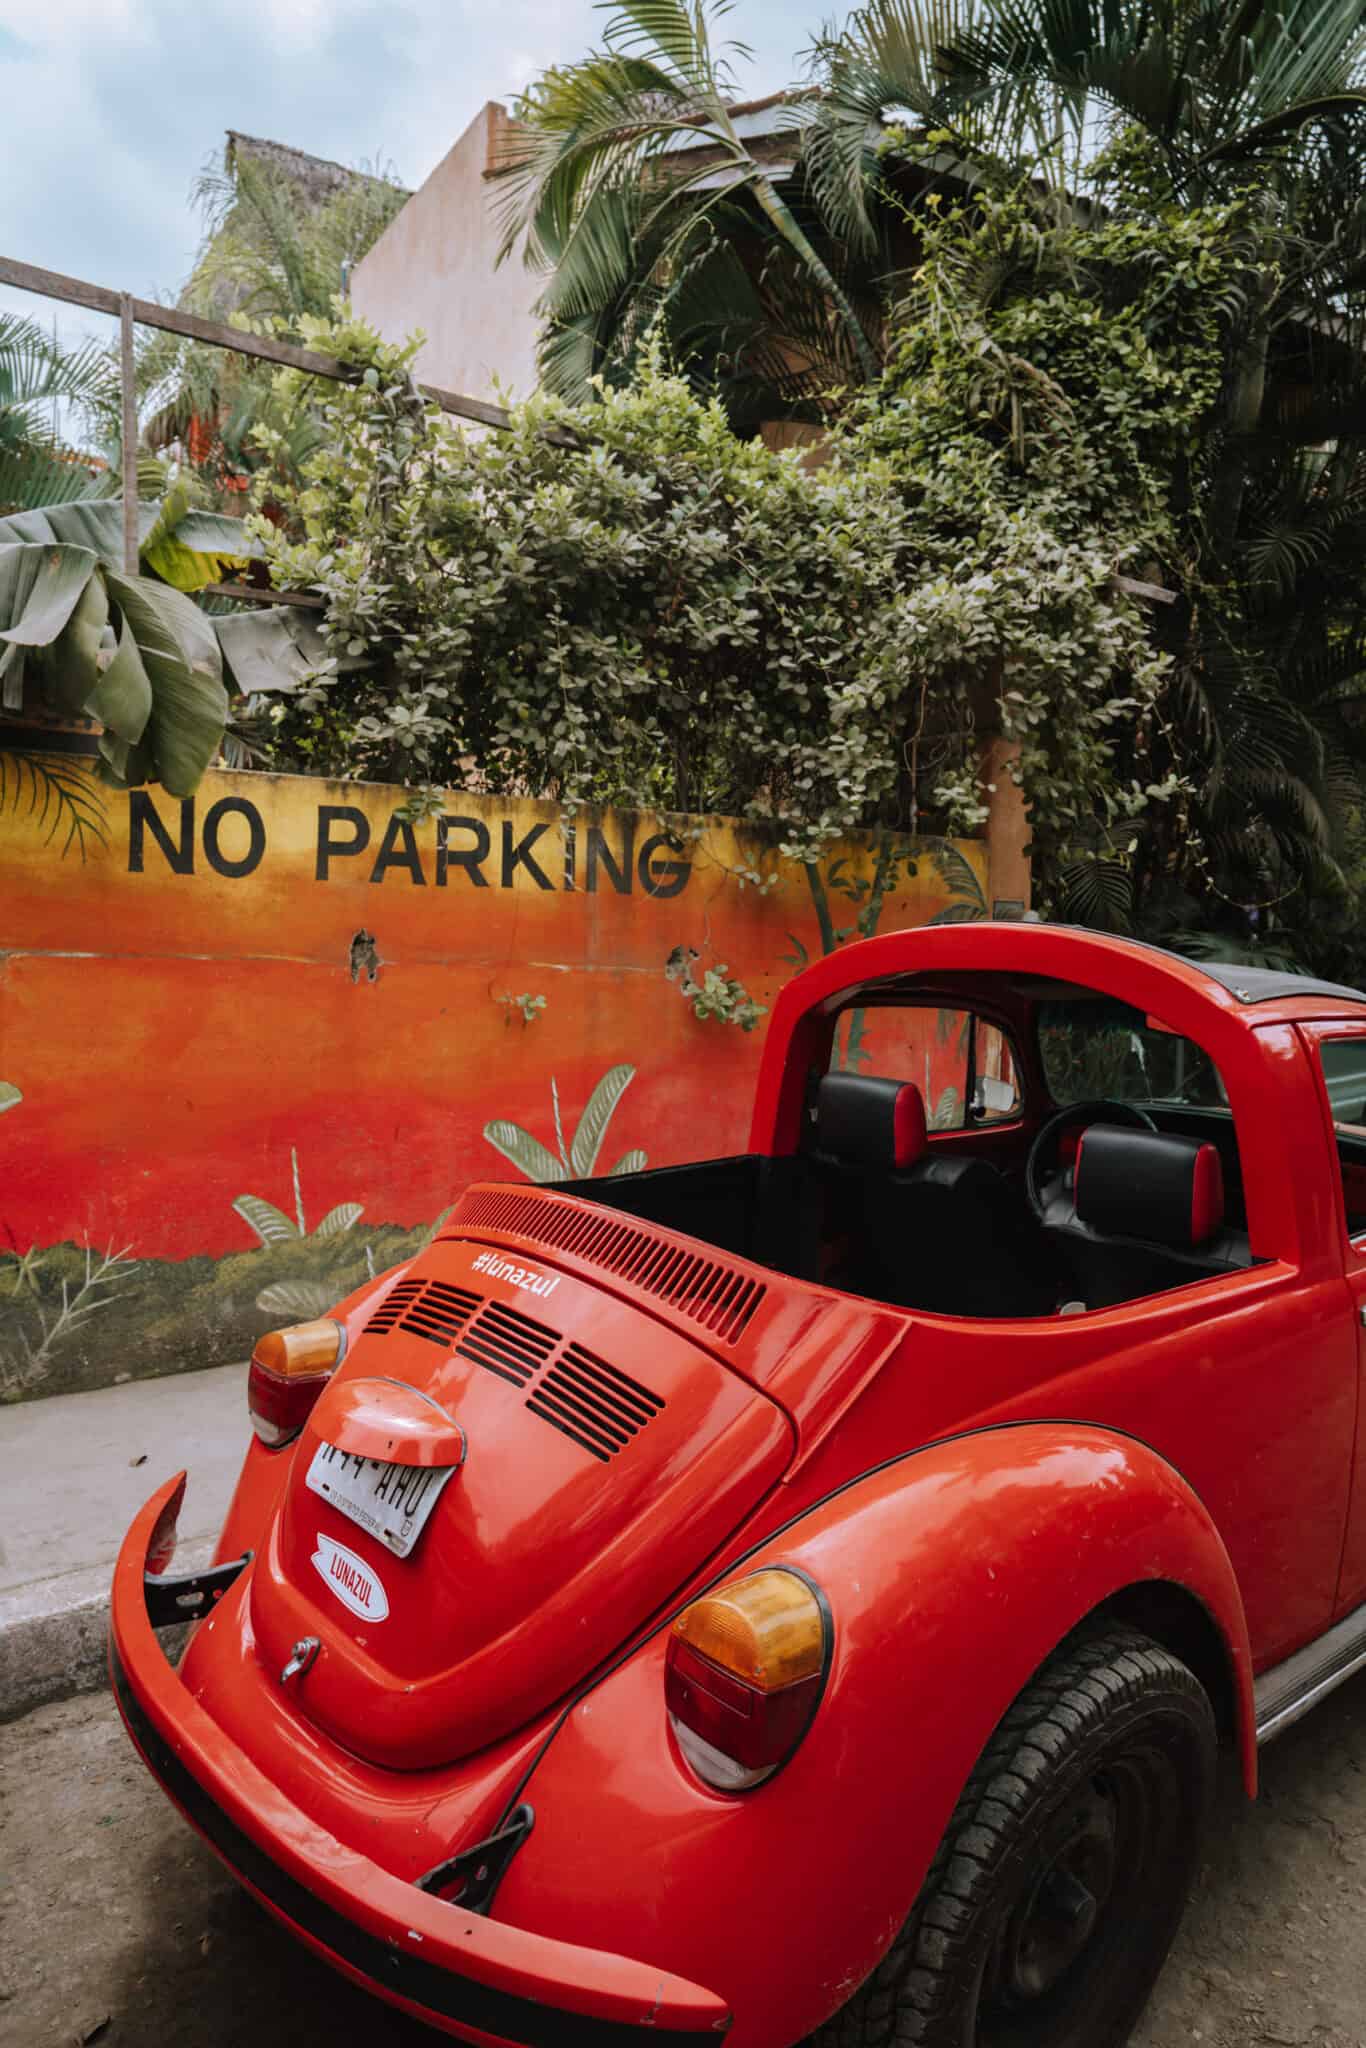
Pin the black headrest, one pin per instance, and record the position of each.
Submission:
(863, 1120)
(1146, 1184)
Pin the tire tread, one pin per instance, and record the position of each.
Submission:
(1097, 1671)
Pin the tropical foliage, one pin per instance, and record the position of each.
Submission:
(634, 604)
(41, 384)
(273, 1226)
(80, 639)
(629, 182)
(281, 234)
(40, 1326)
(955, 154)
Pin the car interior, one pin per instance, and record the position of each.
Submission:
(995, 1150)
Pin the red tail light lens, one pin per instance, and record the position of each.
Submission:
(744, 1674)
(162, 1544)
(289, 1369)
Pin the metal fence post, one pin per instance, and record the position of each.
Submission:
(130, 437)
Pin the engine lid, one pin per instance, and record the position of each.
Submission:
(605, 1456)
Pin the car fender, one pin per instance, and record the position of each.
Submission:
(951, 1573)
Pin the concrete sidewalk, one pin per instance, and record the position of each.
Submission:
(74, 1470)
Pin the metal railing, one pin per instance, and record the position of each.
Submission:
(131, 312)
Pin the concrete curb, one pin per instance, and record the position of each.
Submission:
(77, 1469)
(53, 1636)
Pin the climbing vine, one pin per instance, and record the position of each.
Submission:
(630, 604)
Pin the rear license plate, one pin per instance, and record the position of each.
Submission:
(393, 1502)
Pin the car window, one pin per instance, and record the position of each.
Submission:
(1095, 1048)
(962, 1065)
(1344, 1071)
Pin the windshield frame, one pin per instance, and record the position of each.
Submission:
(1053, 1013)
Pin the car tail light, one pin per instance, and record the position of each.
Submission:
(744, 1674)
(289, 1369)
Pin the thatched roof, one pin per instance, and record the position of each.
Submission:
(317, 177)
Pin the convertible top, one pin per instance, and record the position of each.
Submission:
(1264, 984)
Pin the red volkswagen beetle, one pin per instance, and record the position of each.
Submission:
(804, 1594)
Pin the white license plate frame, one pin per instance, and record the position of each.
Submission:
(392, 1503)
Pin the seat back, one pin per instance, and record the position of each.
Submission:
(868, 1124)
(938, 1231)
(1145, 1212)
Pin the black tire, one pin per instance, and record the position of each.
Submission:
(1061, 1879)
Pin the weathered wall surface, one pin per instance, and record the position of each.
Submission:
(255, 1045)
(436, 268)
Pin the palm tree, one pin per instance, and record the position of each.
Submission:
(282, 233)
(38, 381)
(627, 180)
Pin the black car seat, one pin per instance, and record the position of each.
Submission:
(924, 1229)
(1144, 1212)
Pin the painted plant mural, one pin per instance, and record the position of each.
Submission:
(352, 1014)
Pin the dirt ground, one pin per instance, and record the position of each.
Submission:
(118, 1927)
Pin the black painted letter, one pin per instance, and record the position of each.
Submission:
(598, 850)
(520, 855)
(330, 848)
(399, 850)
(142, 815)
(234, 806)
(470, 858)
(665, 877)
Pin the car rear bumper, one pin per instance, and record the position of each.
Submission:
(479, 1979)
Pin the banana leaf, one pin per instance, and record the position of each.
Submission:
(188, 548)
(272, 649)
(179, 651)
(40, 587)
(185, 547)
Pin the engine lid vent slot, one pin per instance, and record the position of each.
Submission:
(441, 1313)
(720, 1297)
(600, 1408)
(391, 1308)
(508, 1343)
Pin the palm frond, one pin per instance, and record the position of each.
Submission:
(60, 798)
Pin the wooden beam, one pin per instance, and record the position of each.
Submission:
(75, 291)
(1134, 586)
(129, 396)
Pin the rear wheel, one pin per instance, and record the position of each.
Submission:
(1062, 1876)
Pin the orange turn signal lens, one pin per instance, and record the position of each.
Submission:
(301, 1348)
(289, 1369)
(767, 1631)
(744, 1674)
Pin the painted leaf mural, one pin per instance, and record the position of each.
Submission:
(339, 1219)
(272, 1225)
(226, 928)
(587, 1141)
(299, 1300)
(526, 1153)
(577, 1160)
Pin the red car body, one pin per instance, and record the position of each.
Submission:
(964, 1491)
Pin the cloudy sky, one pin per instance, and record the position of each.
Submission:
(112, 106)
